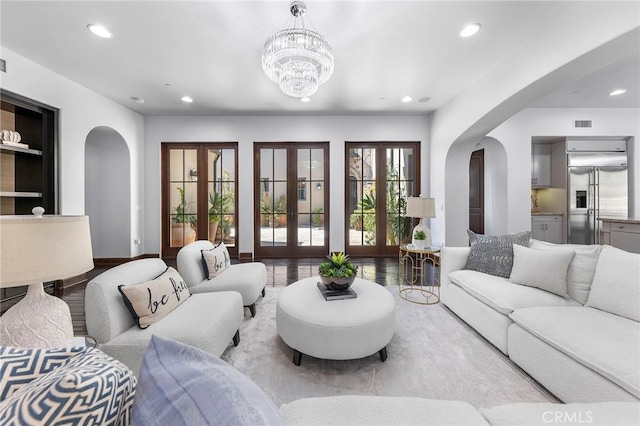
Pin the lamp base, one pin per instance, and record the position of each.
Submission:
(37, 321)
(421, 244)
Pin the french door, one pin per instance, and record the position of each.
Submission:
(199, 188)
(380, 176)
(291, 199)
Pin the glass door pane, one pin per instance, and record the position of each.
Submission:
(310, 197)
(221, 196)
(183, 200)
(273, 197)
(362, 196)
(399, 184)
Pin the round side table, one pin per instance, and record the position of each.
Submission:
(419, 274)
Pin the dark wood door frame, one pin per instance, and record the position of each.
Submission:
(292, 249)
(476, 191)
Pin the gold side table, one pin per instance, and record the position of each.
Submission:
(419, 274)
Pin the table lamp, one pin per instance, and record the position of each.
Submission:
(422, 208)
(33, 250)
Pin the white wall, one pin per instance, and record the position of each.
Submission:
(248, 129)
(515, 134)
(108, 193)
(81, 110)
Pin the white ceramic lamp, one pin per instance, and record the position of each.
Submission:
(421, 208)
(33, 250)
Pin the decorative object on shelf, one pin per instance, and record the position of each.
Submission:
(338, 273)
(422, 208)
(37, 249)
(296, 58)
(12, 138)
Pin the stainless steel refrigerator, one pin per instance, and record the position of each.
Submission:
(597, 188)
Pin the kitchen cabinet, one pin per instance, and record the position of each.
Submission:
(540, 165)
(624, 235)
(547, 228)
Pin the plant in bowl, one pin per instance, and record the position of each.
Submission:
(338, 273)
(420, 235)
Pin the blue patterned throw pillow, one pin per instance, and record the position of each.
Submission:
(494, 254)
(64, 386)
(182, 385)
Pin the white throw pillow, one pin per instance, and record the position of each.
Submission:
(616, 284)
(581, 269)
(544, 270)
(215, 261)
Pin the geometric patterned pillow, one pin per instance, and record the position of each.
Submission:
(19, 366)
(90, 388)
(494, 254)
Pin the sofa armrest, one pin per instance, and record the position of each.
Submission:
(452, 259)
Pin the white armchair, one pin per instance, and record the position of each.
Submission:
(248, 279)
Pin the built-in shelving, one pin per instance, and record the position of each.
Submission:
(4, 147)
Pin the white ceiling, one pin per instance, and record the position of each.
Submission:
(211, 51)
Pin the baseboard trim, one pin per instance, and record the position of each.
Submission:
(115, 261)
(245, 257)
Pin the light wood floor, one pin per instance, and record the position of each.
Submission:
(280, 272)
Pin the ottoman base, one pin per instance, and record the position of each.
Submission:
(297, 356)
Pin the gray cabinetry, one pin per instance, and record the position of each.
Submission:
(547, 228)
(540, 165)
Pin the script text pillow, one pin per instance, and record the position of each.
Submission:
(541, 269)
(215, 261)
(180, 384)
(494, 254)
(151, 301)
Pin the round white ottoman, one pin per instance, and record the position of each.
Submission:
(336, 329)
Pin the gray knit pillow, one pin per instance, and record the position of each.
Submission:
(494, 254)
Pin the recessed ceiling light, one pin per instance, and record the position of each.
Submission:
(470, 30)
(99, 30)
(617, 92)
(187, 99)
(425, 99)
(407, 99)
(137, 100)
(305, 99)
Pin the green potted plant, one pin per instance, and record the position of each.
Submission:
(338, 273)
(419, 237)
(281, 209)
(219, 204)
(183, 226)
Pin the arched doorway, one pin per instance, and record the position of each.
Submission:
(107, 173)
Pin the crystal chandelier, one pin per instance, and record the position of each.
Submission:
(298, 59)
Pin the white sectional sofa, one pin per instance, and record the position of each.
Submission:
(583, 346)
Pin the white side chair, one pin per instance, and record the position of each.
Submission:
(248, 279)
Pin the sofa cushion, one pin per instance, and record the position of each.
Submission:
(544, 270)
(502, 295)
(593, 414)
(494, 254)
(581, 268)
(22, 365)
(151, 301)
(616, 283)
(89, 388)
(180, 384)
(606, 343)
(379, 410)
(215, 260)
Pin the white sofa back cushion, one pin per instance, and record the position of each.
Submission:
(189, 261)
(581, 269)
(616, 283)
(544, 270)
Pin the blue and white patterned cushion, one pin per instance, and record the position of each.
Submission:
(182, 385)
(64, 386)
(494, 254)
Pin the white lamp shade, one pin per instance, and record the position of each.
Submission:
(40, 249)
(421, 207)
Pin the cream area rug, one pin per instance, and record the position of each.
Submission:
(433, 354)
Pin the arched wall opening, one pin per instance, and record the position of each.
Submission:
(108, 192)
(457, 187)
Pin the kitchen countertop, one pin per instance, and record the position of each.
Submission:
(622, 220)
(546, 214)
